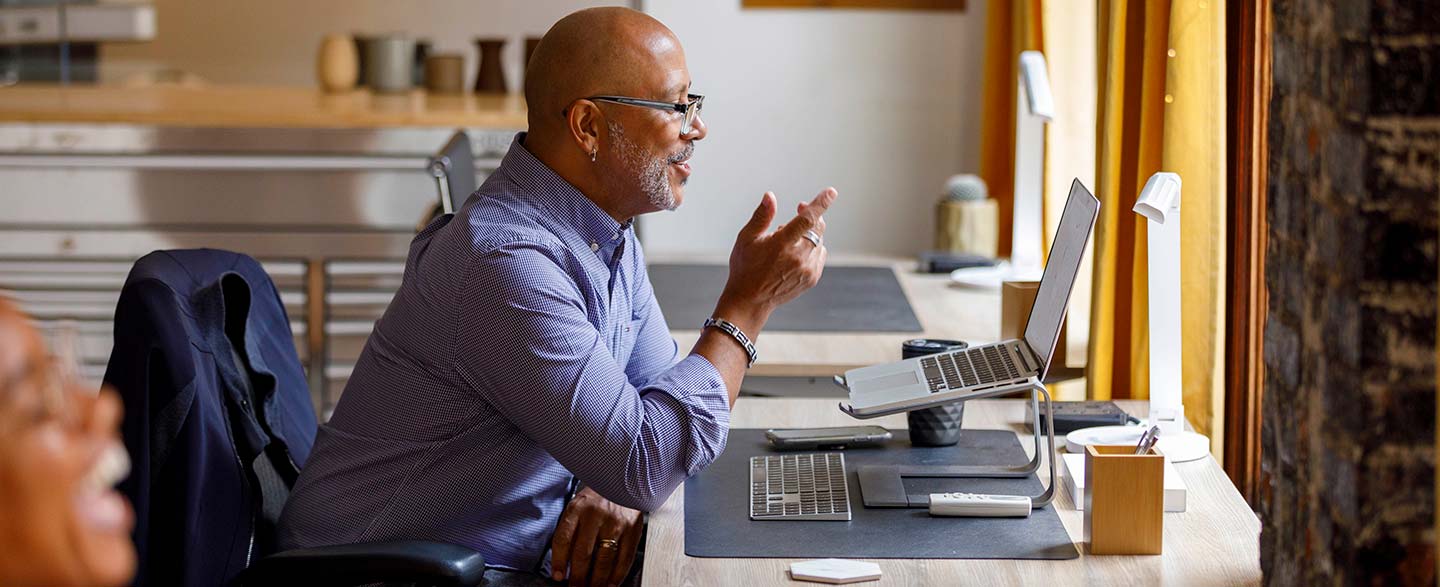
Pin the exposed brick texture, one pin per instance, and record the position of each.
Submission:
(1348, 428)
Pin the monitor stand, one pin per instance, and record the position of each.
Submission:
(883, 486)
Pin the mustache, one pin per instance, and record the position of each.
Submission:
(684, 153)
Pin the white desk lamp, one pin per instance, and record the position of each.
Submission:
(1160, 203)
(1034, 108)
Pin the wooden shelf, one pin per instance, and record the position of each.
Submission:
(255, 107)
(956, 5)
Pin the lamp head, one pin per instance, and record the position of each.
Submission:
(1160, 197)
(1035, 79)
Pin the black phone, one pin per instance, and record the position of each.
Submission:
(826, 438)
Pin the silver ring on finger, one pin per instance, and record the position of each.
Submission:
(811, 236)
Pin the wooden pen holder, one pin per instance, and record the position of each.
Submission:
(1124, 500)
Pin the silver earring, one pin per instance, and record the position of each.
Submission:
(593, 153)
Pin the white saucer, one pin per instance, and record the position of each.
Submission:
(1179, 448)
(993, 277)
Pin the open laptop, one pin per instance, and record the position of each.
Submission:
(946, 377)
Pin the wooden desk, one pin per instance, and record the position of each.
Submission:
(944, 310)
(1215, 541)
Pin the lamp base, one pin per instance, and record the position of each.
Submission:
(1179, 447)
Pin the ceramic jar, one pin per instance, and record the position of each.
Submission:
(337, 66)
(491, 77)
(445, 73)
(391, 63)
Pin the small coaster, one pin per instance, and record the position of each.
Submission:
(835, 571)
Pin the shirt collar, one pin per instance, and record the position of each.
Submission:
(600, 231)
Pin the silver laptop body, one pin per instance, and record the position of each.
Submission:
(946, 377)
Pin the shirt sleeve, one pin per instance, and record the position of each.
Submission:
(527, 347)
(655, 350)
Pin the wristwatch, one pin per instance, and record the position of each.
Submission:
(734, 331)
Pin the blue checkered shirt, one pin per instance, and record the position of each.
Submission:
(523, 349)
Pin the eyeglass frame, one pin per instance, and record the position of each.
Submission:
(690, 110)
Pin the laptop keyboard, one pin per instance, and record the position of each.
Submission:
(799, 487)
(968, 368)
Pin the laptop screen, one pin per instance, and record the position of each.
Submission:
(1076, 224)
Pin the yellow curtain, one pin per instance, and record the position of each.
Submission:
(1161, 71)
(1011, 27)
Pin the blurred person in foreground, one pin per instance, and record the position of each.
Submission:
(61, 521)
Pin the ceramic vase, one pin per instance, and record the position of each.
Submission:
(445, 74)
(337, 65)
(391, 61)
(422, 51)
(362, 54)
(491, 77)
(530, 44)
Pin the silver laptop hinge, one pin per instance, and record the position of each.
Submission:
(1023, 350)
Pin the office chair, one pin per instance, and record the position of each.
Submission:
(218, 423)
(453, 169)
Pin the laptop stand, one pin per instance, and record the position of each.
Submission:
(884, 485)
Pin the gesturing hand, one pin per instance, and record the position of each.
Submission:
(768, 269)
(595, 541)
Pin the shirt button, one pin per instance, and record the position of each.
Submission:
(616, 237)
(594, 247)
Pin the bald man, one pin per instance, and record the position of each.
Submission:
(522, 394)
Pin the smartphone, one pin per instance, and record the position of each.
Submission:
(826, 438)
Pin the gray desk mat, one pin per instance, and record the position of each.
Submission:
(847, 299)
(718, 524)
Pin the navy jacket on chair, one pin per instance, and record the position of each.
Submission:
(205, 363)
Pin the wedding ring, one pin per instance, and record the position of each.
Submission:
(811, 236)
(609, 543)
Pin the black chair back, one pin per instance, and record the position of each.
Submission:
(454, 171)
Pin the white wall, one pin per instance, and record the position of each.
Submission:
(883, 105)
(274, 41)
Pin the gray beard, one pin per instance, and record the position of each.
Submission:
(650, 171)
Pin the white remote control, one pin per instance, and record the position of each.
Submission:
(975, 505)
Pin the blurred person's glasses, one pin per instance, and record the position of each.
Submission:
(41, 390)
(690, 109)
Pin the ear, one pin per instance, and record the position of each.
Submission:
(585, 121)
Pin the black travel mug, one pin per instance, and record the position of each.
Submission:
(940, 425)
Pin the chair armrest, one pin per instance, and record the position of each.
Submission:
(405, 561)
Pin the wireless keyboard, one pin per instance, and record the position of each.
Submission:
(799, 487)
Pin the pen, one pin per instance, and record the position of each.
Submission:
(1147, 440)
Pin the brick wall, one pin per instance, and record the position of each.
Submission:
(1348, 491)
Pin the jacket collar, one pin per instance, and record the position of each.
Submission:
(211, 308)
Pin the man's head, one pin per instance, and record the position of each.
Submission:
(630, 159)
(61, 523)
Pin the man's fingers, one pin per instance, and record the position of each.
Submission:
(821, 202)
(582, 551)
(817, 262)
(628, 544)
(761, 219)
(810, 215)
(605, 558)
(560, 545)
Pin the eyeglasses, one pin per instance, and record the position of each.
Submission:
(690, 109)
(41, 389)
(46, 398)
